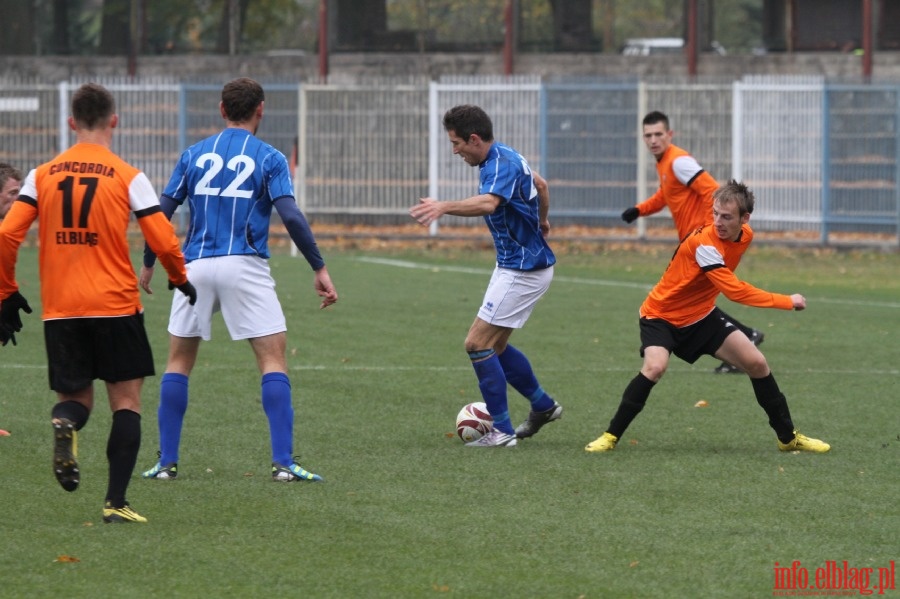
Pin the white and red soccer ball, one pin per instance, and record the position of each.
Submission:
(473, 422)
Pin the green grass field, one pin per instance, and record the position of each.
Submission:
(695, 502)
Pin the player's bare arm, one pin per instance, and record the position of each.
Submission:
(144, 278)
(428, 210)
(325, 288)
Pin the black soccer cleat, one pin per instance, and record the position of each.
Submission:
(65, 448)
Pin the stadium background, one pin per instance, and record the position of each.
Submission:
(815, 138)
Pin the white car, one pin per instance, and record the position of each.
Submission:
(645, 46)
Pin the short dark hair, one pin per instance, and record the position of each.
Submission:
(466, 119)
(651, 118)
(92, 106)
(240, 98)
(736, 192)
(7, 172)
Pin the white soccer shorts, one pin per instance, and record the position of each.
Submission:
(512, 294)
(241, 287)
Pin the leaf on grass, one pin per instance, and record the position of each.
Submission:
(449, 435)
(633, 442)
(781, 469)
(246, 474)
(633, 564)
(67, 559)
(88, 524)
(441, 588)
(701, 404)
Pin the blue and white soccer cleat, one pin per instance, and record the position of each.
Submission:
(160, 472)
(292, 473)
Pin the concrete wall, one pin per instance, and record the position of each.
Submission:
(349, 67)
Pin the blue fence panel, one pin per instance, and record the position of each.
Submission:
(589, 134)
(863, 132)
(823, 158)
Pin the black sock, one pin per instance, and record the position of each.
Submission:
(122, 451)
(71, 410)
(633, 400)
(772, 400)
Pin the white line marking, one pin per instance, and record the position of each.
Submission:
(580, 281)
(484, 271)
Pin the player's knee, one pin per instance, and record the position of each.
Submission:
(756, 366)
(473, 345)
(654, 370)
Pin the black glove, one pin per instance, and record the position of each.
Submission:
(10, 321)
(630, 215)
(187, 289)
(6, 336)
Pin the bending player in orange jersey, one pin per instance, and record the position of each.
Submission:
(686, 189)
(680, 316)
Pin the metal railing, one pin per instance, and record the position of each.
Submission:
(822, 157)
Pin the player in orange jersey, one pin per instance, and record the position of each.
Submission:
(10, 183)
(92, 313)
(687, 190)
(680, 316)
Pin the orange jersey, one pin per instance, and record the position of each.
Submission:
(702, 268)
(685, 188)
(83, 199)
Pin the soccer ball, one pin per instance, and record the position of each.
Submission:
(473, 421)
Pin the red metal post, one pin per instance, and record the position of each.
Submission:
(692, 38)
(867, 44)
(509, 38)
(323, 40)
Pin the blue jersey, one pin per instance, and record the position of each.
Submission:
(515, 224)
(230, 181)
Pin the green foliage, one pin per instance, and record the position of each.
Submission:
(182, 26)
(695, 502)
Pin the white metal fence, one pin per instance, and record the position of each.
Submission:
(821, 157)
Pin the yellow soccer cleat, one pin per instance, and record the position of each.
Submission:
(122, 514)
(804, 443)
(605, 442)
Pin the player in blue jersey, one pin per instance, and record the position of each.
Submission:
(231, 181)
(514, 202)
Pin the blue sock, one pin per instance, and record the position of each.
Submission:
(276, 401)
(173, 402)
(520, 375)
(492, 383)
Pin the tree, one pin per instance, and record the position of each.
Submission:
(18, 27)
(572, 25)
(231, 27)
(61, 38)
(115, 29)
(361, 24)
